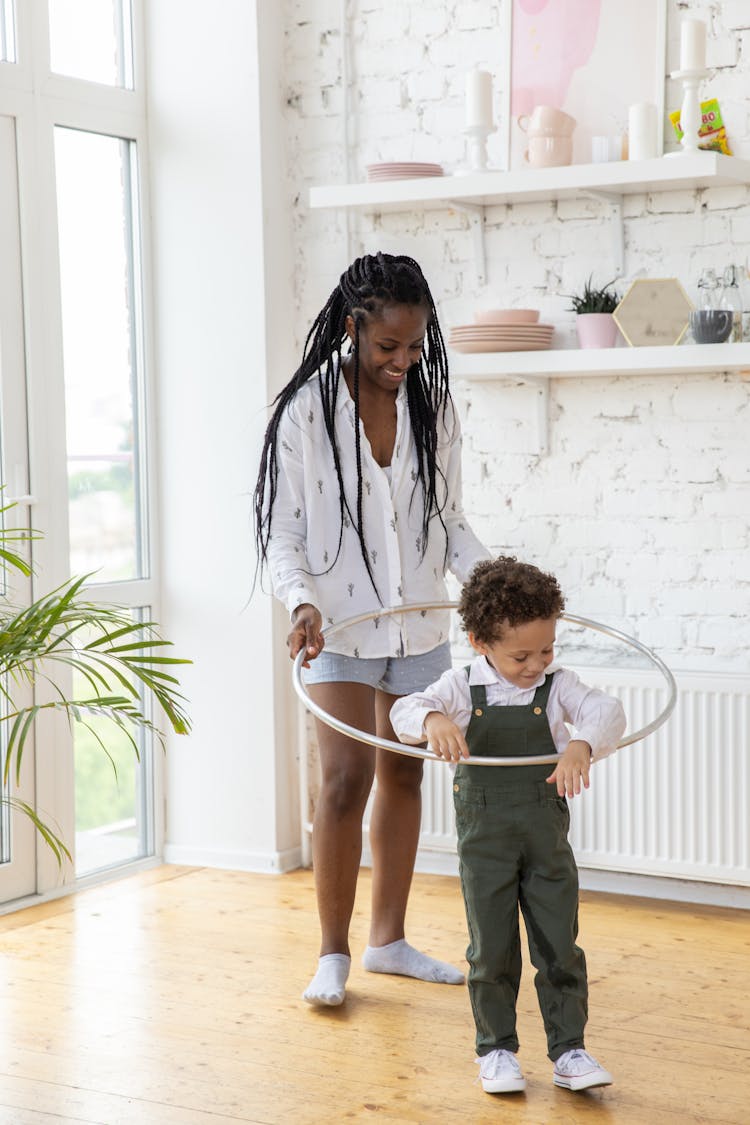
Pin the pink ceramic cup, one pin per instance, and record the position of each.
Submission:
(546, 121)
(549, 152)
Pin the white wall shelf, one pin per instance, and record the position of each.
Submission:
(617, 178)
(578, 363)
(607, 183)
(537, 368)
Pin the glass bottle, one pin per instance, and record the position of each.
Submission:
(731, 298)
(709, 293)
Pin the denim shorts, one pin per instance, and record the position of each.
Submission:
(396, 675)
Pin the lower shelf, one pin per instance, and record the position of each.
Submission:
(537, 368)
(576, 363)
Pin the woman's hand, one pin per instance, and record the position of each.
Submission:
(306, 633)
(572, 768)
(444, 737)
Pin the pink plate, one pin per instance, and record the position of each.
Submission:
(403, 170)
(506, 316)
(499, 346)
(529, 331)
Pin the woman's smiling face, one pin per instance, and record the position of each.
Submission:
(390, 342)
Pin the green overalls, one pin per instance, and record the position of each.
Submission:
(513, 850)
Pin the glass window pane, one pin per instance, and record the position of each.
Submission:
(91, 39)
(7, 32)
(99, 265)
(114, 798)
(13, 535)
(5, 790)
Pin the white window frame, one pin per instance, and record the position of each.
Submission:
(40, 101)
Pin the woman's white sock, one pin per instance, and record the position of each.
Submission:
(328, 986)
(400, 957)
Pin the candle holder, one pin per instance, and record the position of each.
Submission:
(476, 145)
(691, 117)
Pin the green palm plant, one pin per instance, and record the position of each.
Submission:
(117, 657)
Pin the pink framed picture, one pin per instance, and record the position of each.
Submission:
(591, 59)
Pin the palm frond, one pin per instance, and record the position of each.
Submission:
(121, 662)
(50, 837)
(9, 535)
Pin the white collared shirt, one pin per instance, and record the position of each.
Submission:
(596, 718)
(306, 525)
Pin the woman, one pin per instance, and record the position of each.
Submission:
(358, 506)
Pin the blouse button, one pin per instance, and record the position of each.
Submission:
(478, 711)
(537, 710)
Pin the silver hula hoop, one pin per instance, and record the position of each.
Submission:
(421, 752)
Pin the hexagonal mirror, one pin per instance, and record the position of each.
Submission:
(654, 311)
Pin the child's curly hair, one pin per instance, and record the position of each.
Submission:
(504, 592)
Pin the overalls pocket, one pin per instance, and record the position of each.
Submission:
(468, 802)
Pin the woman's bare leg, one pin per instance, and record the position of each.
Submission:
(394, 838)
(394, 831)
(347, 769)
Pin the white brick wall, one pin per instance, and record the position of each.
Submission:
(642, 505)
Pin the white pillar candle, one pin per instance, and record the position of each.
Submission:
(479, 99)
(692, 45)
(642, 131)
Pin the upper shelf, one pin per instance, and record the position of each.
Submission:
(622, 177)
(574, 363)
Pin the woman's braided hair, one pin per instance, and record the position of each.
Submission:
(368, 285)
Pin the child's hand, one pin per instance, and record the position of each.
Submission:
(573, 766)
(444, 737)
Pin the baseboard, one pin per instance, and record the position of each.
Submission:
(672, 890)
(610, 882)
(267, 863)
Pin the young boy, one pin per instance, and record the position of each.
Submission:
(512, 821)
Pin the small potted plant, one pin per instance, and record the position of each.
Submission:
(595, 325)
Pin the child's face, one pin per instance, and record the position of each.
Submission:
(523, 652)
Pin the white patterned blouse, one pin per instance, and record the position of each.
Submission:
(305, 562)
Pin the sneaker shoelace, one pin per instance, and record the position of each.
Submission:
(498, 1064)
(579, 1060)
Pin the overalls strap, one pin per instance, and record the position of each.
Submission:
(541, 695)
(513, 731)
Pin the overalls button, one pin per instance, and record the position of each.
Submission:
(478, 711)
(456, 788)
(537, 710)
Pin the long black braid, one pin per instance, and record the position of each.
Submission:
(370, 283)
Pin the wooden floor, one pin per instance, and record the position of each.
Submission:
(173, 998)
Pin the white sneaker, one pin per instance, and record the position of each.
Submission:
(578, 1070)
(500, 1073)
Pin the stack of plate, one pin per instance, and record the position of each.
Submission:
(501, 337)
(503, 330)
(402, 171)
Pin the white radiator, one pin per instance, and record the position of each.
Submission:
(674, 805)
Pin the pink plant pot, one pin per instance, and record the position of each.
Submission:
(596, 330)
